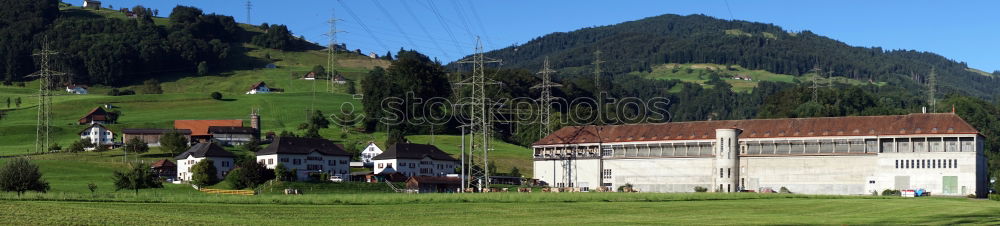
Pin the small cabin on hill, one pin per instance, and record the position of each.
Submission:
(309, 76)
(76, 89)
(98, 116)
(339, 80)
(259, 87)
(90, 4)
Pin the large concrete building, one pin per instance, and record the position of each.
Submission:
(940, 153)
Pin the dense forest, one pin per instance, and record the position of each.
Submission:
(638, 45)
(113, 51)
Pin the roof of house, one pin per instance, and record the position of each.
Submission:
(74, 86)
(231, 130)
(414, 151)
(96, 114)
(302, 146)
(435, 180)
(339, 78)
(310, 75)
(92, 126)
(257, 85)
(154, 131)
(163, 163)
(200, 127)
(202, 150)
(928, 123)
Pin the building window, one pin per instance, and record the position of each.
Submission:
(331, 162)
(729, 172)
(720, 173)
(296, 161)
(270, 161)
(380, 165)
(412, 165)
(897, 163)
(606, 173)
(343, 161)
(284, 159)
(388, 165)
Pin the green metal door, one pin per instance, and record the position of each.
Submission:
(950, 184)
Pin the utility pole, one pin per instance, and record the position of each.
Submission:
(331, 49)
(249, 6)
(480, 124)
(597, 71)
(815, 83)
(545, 99)
(45, 76)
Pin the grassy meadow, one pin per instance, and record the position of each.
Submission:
(700, 73)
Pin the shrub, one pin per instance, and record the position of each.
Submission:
(114, 92)
(283, 174)
(127, 92)
(101, 148)
(204, 173)
(92, 187)
(891, 192)
(624, 188)
(700, 189)
(994, 197)
(79, 145)
(19, 175)
(784, 190)
(152, 86)
(136, 145)
(137, 176)
(55, 147)
(249, 174)
(216, 95)
(174, 143)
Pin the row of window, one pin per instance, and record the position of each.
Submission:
(413, 165)
(606, 174)
(927, 164)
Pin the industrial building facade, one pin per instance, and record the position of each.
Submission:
(940, 153)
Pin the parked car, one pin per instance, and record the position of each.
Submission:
(336, 179)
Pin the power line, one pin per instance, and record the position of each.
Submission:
(461, 17)
(729, 9)
(249, 6)
(363, 27)
(44, 121)
(481, 117)
(545, 99)
(393, 21)
(443, 23)
(331, 49)
(424, 29)
(475, 14)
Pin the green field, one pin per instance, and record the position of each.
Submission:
(700, 73)
(790, 210)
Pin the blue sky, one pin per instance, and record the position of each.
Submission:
(965, 31)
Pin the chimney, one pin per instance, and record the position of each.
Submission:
(254, 119)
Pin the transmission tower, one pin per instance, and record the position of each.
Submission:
(815, 83)
(480, 123)
(249, 6)
(597, 70)
(331, 50)
(45, 76)
(545, 99)
(932, 89)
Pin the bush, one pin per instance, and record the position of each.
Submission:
(249, 174)
(174, 143)
(784, 190)
(216, 95)
(283, 174)
(700, 189)
(92, 187)
(19, 175)
(136, 176)
(994, 197)
(204, 173)
(624, 188)
(891, 192)
(136, 145)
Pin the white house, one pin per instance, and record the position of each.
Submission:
(370, 152)
(259, 87)
(76, 89)
(98, 134)
(222, 159)
(415, 160)
(91, 4)
(306, 156)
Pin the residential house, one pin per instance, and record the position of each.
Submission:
(743, 77)
(259, 87)
(98, 134)
(306, 156)
(151, 136)
(76, 89)
(199, 128)
(370, 152)
(222, 159)
(339, 79)
(424, 184)
(415, 160)
(165, 169)
(98, 116)
(233, 135)
(90, 4)
(309, 76)
(372, 55)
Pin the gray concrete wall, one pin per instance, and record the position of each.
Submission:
(662, 174)
(810, 174)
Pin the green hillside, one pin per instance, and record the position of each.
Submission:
(734, 75)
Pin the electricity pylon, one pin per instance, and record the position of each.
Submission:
(480, 123)
(545, 99)
(45, 76)
(330, 51)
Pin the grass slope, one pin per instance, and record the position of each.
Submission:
(700, 73)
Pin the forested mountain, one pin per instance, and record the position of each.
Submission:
(639, 45)
(99, 49)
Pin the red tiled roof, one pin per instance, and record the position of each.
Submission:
(936, 123)
(200, 127)
(162, 163)
(97, 114)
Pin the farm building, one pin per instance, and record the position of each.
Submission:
(97, 116)
(339, 80)
(233, 135)
(309, 76)
(415, 160)
(222, 159)
(98, 134)
(423, 184)
(76, 89)
(164, 169)
(370, 152)
(259, 87)
(199, 128)
(836, 155)
(306, 156)
(151, 136)
(89, 4)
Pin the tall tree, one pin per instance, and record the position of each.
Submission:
(19, 175)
